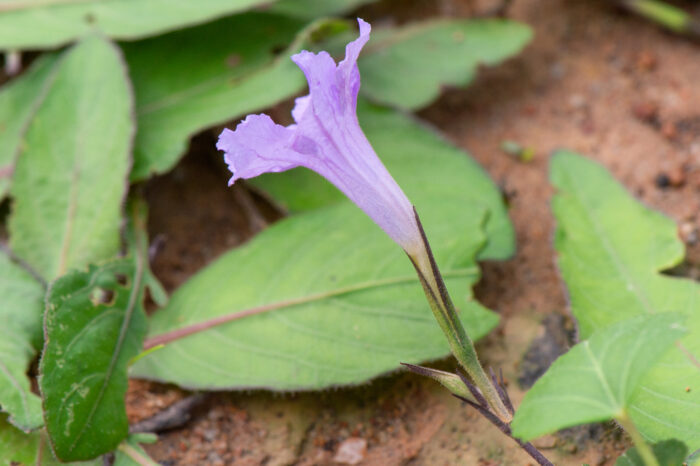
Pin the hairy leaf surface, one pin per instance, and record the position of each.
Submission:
(21, 310)
(233, 66)
(71, 174)
(32, 24)
(94, 325)
(343, 304)
(19, 100)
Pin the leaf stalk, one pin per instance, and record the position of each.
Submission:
(643, 448)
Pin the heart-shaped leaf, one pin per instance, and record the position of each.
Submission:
(71, 174)
(21, 310)
(611, 251)
(28, 24)
(597, 378)
(94, 326)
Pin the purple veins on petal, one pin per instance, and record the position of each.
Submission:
(327, 139)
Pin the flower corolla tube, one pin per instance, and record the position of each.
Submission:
(326, 138)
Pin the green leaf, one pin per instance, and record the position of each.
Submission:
(668, 453)
(71, 175)
(21, 310)
(31, 24)
(18, 102)
(130, 453)
(611, 250)
(406, 67)
(17, 448)
(309, 9)
(426, 167)
(343, 304)
(596, 379)
(233, 66)
(94, 325)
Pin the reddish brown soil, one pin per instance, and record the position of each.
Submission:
(594, 80)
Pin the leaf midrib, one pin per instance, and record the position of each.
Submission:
(131, 306)
(198, 327)
(603, 237)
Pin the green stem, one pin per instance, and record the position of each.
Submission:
(445, 313)
(643, 448)
(664, 14)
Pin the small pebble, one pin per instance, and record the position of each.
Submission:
(689, 233)
(351, 451)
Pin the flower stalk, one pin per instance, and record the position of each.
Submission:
(445, 313)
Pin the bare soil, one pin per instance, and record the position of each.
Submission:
(594, 80)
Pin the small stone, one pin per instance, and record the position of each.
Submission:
(689, 233)
(351, 451)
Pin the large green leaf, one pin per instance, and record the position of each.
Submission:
(31, 24)
(190, 80)
(422, 162)
(406, 67)
(21, 309)
(611, 250)
(71, 174)
(94, 325)
(596, 379)
(19, 449)
(18, 101)
(344, 303)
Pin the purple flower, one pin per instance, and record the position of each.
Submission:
(327, 139)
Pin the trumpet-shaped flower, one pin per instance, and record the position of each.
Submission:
(327, 139)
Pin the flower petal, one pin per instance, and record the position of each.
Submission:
(300, 106)
(347, 69)
(257, 146)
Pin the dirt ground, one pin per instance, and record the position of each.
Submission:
(595, 80)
